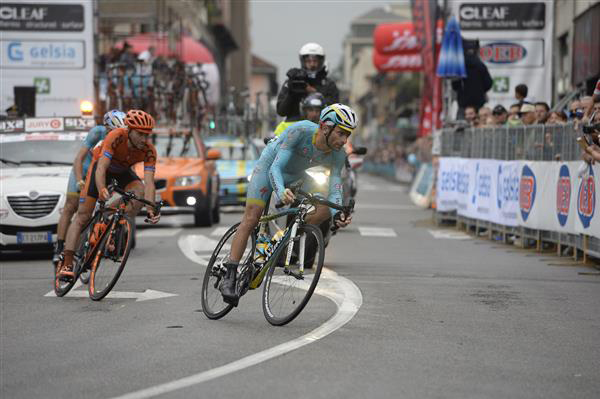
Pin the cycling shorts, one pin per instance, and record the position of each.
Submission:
(91, 190)
(72, 189)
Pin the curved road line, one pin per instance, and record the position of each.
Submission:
(343, 292)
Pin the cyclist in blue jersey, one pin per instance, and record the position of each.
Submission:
(285, 159)
(112, 120)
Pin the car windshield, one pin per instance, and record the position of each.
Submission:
(234, 151)
(175, 145)
(26, 149)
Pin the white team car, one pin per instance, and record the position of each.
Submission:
(36, 156)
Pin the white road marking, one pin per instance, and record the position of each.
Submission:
(159, 232)
(377, 232)
(343, 292)
(386, 207)
(449, 235)
(197, 247)
(219, 231)
(138, 296)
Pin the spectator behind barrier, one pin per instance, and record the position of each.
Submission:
(521, 91)
(485, 116)
(527, 114)
(471, 115)
(556, 118)
(541, 111)
(513, 117)
(499, 115)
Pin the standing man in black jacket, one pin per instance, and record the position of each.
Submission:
(471, 91)
(311, 77)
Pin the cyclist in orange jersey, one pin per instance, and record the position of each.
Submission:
(121, 149)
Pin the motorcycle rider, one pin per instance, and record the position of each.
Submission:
(310, 78)
(311, 109)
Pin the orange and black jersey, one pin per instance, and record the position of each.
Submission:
(115, 147)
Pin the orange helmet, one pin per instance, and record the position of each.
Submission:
(140, 121)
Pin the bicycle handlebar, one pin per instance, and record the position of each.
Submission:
(346, 210)
(113, 187)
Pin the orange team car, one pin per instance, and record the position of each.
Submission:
(186, 176)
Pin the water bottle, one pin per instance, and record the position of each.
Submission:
(262, 248)
(277, 236)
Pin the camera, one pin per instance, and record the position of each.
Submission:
(298, 79)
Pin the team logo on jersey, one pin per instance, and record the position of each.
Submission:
(586, 199)
(527, 190)
(563, 195)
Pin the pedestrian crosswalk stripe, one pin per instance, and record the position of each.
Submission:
(377, 232)
(158, 232)
(449, 235)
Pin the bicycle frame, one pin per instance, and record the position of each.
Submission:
(290, 231)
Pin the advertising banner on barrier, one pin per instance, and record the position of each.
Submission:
(485, 189)
(539, 195)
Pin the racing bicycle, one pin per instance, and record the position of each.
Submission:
(103, 247)
(290, 276)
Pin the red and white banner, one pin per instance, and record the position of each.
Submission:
(398, 62)
(400, 38)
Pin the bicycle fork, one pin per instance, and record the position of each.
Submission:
(290, 248)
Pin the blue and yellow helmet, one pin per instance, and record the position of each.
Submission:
(340, 115)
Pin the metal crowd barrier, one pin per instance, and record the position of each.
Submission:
(534, 143)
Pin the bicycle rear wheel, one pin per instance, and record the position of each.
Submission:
(213, 305)
(110, 259)
(288, 289)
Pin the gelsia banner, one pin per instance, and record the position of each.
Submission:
(483, 189)
(553, 196)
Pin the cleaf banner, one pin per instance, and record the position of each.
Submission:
(515, 44)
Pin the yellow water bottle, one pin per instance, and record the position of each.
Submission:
(277, 236)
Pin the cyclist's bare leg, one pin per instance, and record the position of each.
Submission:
(321, 214)
(67, 214)
(249, 222)
(83, 215)
(252, 215)
(133, 208)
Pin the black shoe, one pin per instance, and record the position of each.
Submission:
(228, 288)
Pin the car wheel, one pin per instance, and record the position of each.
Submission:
(216, 213)
(203, 215)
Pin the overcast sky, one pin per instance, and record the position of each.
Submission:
(279, 28)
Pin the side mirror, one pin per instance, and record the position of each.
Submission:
(360, 150)
(213, 154)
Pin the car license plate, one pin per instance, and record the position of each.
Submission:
(37, 237)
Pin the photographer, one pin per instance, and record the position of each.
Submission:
(311, 77)
(591, 136)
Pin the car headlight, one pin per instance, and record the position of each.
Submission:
(319, 177)
(188, 180)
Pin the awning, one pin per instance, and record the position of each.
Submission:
(187, 49)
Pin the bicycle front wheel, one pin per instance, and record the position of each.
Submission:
(288, 288)
(110, 259)
(213, 305)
